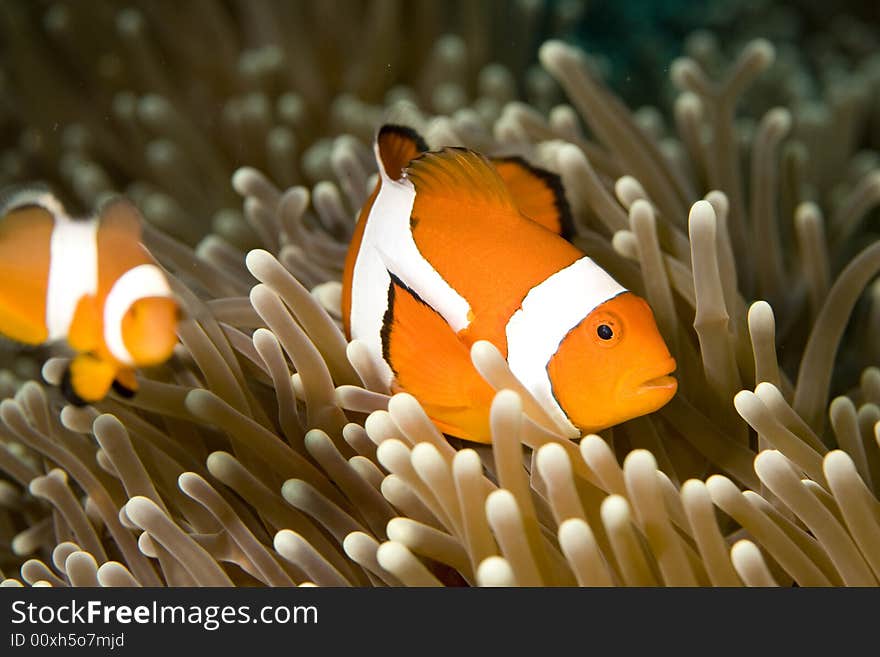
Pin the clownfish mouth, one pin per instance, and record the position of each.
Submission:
(659, 379)
(661, 382)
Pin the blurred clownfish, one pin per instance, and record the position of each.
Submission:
(453, 247)
(90, 281)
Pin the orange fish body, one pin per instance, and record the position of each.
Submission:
(89, 281)
(452, 248)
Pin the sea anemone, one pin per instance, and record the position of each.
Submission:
(266, 452)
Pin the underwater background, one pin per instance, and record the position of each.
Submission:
(722, 159)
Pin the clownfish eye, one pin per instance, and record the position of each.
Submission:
(604, 331)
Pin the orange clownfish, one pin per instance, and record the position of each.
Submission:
(89, 281)
(453, 247)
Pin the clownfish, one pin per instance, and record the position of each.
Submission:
(454, 247)
(89, 281)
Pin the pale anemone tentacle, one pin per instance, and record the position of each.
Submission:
(810, 228)
(362, 549)
(627, 550)
(771, 276)
(297, 550)
(472, 493)
(199, 564)
(711, 321)
(814, 375)
(53, 488)
(643, 490)
(782, 548)
(35, 570)
(431, 543)
(200, 490)
(496, 571)
(750, 565)
(776, 472)
(114, 574)
(81, 569)
(807, 544)
(710, 542)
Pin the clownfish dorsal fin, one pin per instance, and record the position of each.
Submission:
(538, 194)
(120, 214)
(456, 174)
(396, 147)
(119, 242)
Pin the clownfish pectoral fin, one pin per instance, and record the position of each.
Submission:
(84, 333)
(396, 147)
(538, 194)
(87, 380)
(125, 384)
(25, 236)
(432, 364)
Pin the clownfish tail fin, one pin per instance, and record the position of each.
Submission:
(396, 147)
(538, 194)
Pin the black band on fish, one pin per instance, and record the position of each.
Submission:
(67, 390)
(388, 319)
(553, 183)
(121, 390)
(407, 132)
(398, 145)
